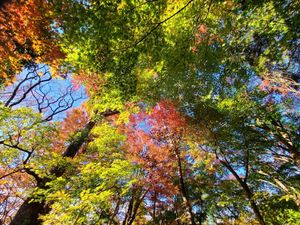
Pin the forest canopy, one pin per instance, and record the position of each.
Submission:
(120, 112)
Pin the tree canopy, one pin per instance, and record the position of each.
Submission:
(149, 112)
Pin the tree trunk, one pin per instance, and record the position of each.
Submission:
(30, 210)
(185, 196)
(28, 213)
(136, 205)
(154, 208)
(247, 192)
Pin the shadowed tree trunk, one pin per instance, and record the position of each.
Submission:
(247, 192)
(183, 188)
(134, 204)
(30, 210)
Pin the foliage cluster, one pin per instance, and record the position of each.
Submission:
(192, 114)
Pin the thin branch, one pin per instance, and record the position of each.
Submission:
(28, 91)
(15, 146)
(11, 173)
(15, 91)
(208, 10)
(159, 24)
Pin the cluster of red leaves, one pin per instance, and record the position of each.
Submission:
(26, 36)
(151, 139)
(76, 119)
(279, 84)
(92, 82)
(164, 114)
(202, 36)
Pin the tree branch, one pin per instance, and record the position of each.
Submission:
(159, 24)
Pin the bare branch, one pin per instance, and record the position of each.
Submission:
(15, 91)
(29, 90)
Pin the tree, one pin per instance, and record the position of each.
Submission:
(26, 132)
(158, 147)
(25, 41)
(245, 150)
(232, 138)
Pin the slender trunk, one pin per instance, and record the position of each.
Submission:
(247, 192)
(185, 196)
(134, 204)
(154, 208)
(137, 206)
(115, 213)
(129, 211)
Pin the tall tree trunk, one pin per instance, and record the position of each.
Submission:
(136, 203)
(28, 213)
(30, 210)
(154, 207)
(247, 192)
(184, 192)
(129, 211)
